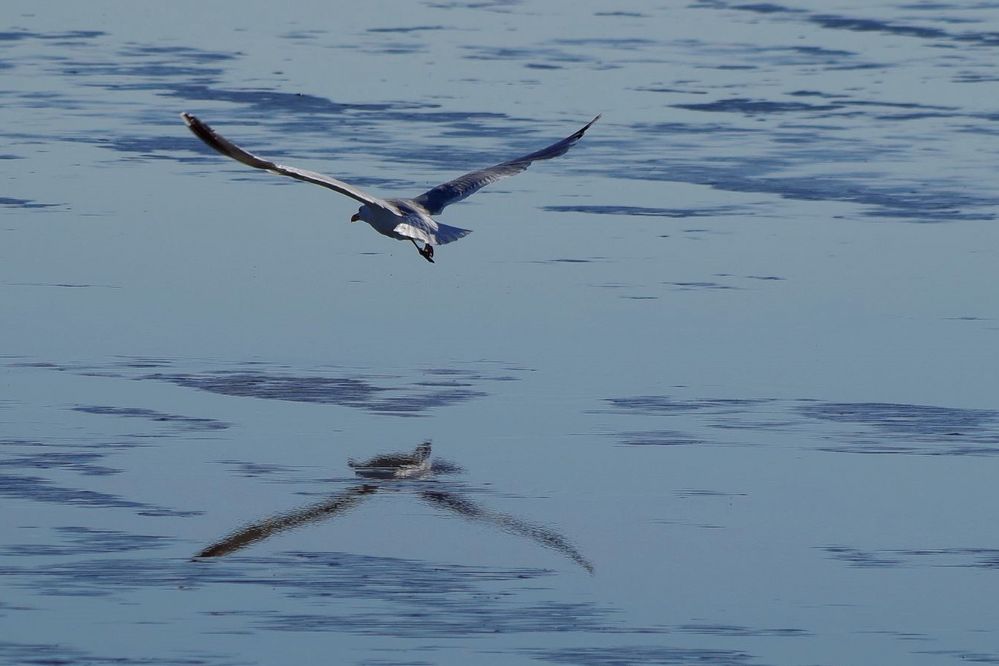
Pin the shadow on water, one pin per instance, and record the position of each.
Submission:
(384, 473)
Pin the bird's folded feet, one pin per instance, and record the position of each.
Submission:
(428, 252)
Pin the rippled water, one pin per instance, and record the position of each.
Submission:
(716, 387)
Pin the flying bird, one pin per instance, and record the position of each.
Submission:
(402, 219)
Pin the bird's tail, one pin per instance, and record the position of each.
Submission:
(446, 234)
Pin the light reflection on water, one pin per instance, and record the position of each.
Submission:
(740, 348)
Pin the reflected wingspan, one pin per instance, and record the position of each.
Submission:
(282, 522)
(545, 536)
(204, 132)
(435, 200)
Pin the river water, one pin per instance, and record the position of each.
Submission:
(719, 386)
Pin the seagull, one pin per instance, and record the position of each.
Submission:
(402, 219)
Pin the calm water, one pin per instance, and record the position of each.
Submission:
(717, 387)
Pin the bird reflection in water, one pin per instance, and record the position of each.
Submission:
(387, 471)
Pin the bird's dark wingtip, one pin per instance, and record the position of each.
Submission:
(579, 133)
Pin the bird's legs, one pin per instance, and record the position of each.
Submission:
(427, 251)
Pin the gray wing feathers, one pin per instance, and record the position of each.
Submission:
(215, 140)
(436, 199)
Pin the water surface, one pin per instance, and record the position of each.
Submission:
(718, 386)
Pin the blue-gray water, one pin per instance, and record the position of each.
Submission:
(719, 386)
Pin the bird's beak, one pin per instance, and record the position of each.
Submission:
(355, 217)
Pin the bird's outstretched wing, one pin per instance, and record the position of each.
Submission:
(204, 132)
(435, 200)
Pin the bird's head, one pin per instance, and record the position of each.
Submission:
(361, 214)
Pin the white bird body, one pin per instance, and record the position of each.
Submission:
(402, 219)
(408, 221)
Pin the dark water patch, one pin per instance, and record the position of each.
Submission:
(901, 428)
(148, 63)
(928, 6)
(345, 592)
(866, 428)
(66, 36)
(636, 655)
(924, 115)
(567, 260)
(658, 438)
(254, 469)
(613, 42)
(621, 14)
(271, 101)
(394, 47)
(638, 211)
(358, 392)
(146, 147)
(754, 106)
(36, 488)
(731, 630)
(873, 25)
(976, 558)
(383, 394)
(856, 24)
(767, 8)
(85, 541)
(646, 130)
(63, 285)
(304, 35)
(449, 383)
(407, 29)
(688, 286)
(80, 462)
(495, 6)
(143, 362)
(975, 77)
(915, 203)
(700, 492)
(765, 277)
(53, 654)
(182, 422)
(8, 156)
(468, 618)
(546, 55)
(658, 405)
(146, 73)
(862, 559)
(177, 52)
(667, 89)
(964, 656)
(819, 51)
(973, 558)
(24, 203)
(815, 93)
(39, 489)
